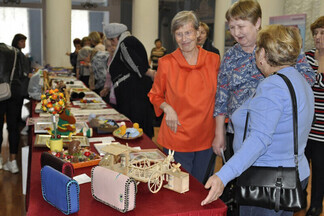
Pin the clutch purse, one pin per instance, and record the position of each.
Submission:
(60, 190)
(57, 163)
(113, 189)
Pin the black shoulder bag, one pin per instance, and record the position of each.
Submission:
(277, 188)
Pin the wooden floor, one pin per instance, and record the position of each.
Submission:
(13, 201)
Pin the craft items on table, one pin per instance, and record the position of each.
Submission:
(46, 81)
(67, 96)
(113, 189)
(98, 112)
(96, 103)
(100, 142)
(60, 85)
(64, 78)
(41, 139)
(57, 163)
(43, 126)
(142, 168)
(87, 132)
(34, 120)
(76, 95)
(78, 90)
(53, 102)
(128, 133)
(59, 190)
(66, 123)
(77, 156)
(69, 82)
(102, 124)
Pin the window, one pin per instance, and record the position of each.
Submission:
(18, 20)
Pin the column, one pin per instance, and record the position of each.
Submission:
(321, 9)
(57, 38)
(145, 21)
(221, 6)
(271, 8)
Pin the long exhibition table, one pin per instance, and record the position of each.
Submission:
(165, 202)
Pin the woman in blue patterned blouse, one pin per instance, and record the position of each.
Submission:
(238, 75)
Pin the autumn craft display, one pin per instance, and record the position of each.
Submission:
(53, 102)
(77, 156)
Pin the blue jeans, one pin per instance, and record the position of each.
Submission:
(258, 211)
(195, 163)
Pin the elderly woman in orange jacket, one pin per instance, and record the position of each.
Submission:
(184, 89)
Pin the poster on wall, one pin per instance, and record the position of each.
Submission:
(296, 20)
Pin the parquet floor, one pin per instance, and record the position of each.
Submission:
(12, 201)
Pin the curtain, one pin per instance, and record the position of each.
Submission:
(311, 8)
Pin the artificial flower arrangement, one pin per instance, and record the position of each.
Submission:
(54, 102)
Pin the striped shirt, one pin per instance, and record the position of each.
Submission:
(317, 131)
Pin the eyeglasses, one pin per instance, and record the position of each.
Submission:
(187, 34)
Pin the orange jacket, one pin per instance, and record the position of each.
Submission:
(190, 90)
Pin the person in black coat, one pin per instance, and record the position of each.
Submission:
(131, 76)
(203, 39)
(11, 108)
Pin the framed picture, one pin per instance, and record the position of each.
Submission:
(91, 95)
(92, 101)
(40, 126)
(41, 140)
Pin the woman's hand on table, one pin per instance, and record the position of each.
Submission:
(104, 92)
(171, 117)
(216, 189)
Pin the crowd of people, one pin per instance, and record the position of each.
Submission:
(196, 91)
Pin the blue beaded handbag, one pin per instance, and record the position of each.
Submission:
(59, 190)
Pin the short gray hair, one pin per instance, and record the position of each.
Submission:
(84, 52)
(182, 18)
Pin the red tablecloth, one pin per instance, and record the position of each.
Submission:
(165, 202)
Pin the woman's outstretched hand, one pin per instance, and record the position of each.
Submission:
(216, 187)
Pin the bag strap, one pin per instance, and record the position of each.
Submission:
(295, 117)
(13, 67)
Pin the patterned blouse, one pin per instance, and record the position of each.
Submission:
(239, 76)
(99, 67)
(317, 131)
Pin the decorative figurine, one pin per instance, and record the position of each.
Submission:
(147, 170)
(53, 102)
